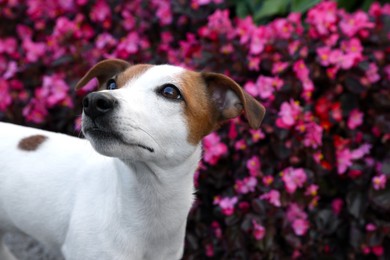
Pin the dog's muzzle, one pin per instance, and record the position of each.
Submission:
(98, 104)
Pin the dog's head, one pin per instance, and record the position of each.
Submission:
(159, 112)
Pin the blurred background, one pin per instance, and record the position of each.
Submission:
(311, 183)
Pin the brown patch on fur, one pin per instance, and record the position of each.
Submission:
(31, 143)
(199, 111)
(131, 73)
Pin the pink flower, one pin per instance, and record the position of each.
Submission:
(353, 23)
(312, 190)
(279, 67)
(12, 69)
(337, 205)
(355, 119)
(342, 60)
(246, 185)
(226, 204)
(352, 46)
(298, 219)
(370, 227)
(293, 47)
(245, 28)
(65, 28)
(209, 250)
(164, 12)
(283, 28)
(254, 62)
(323, 54)
(293, 178)
(322, 19)
(288, 114)
(240, 145)
(257, 135)
(300, 226)
(273, 197)
(6, 98)
(8, 45)
(267, 180)
(344, 160)
(216, 229)
(313, 135)
(35, 111)
(34, 50)
(267, 85)
(101, 13)
(105, 39)
(372, 73)
(259, 38)
(377, 250)
(258, 230)
(128, 45)
(213, 148)
(251, 88)
(301, 70)
(253, 165)
(379, 182)
(219, 23)
(358, 153)
(54, 91)
(345, 156)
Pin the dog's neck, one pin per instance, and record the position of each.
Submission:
(163, 193)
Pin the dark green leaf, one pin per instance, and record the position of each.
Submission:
(270, 8)
(302, 5)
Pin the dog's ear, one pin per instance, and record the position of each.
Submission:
(229, 99)
(103, 71)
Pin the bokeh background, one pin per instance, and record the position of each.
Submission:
(311, 183)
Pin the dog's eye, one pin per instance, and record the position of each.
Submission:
(171, 91)
(111, 84)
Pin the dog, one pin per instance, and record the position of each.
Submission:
(126, 190)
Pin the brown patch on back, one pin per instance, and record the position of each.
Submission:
(131, 73)
(199, 111)
(31, 143)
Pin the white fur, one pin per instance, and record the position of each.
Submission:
(123, 202)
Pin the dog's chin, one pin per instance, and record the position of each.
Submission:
(112, 144)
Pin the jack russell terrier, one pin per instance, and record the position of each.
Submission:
(126, 192)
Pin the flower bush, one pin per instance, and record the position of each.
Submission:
(311, 182)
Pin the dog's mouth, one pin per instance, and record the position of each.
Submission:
(102, 134)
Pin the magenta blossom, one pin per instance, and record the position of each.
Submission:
(323, 19)
(6, 98)
(293, 178)
(355, 119)
(226, 204)
(288, 114)
(34, 50)
(258, 230)
(213, 148)
(246, 185)
(372, 73)
(298, 219)
(345, 156)
(267, 85)
(379, 182)
(353, 23)
(300, 226)
(273, 197)
(253, 165)
(54, 91)
(35, 111)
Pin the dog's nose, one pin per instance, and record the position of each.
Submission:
(98, 104)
